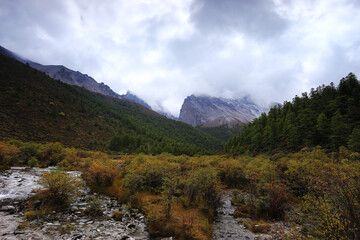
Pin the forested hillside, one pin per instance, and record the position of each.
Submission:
(222, 132)
(34, 107)
(328, 116)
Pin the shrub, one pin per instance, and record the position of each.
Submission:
(33, 162)
(29, 150)
(238, 200)
(9, 154)
(244, 211)
(231, 172)
(94, 209)
(169, 190)
(99, 174)
(64, 164)
(256, 226)
(61, 188)
(278, 200)
(134, 182)
(262, 206)
(117, 216)
(51, 154)
(32, 215)
(202, 183)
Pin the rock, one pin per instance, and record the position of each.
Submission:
(131, 225)
(7, 209)
(18, 232)
(213, 112)
(81, 226)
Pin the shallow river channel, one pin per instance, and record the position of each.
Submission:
(18, 183)
(226, 226)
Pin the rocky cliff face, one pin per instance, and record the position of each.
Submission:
(214, 112)
(66, 75)
(75, 78)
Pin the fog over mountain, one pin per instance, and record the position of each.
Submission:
(164, 51)
(209, 111)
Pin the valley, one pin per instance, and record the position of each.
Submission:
(180, 120)
(292, 173)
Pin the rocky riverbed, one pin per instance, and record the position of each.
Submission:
(227, 227)
(17, 184)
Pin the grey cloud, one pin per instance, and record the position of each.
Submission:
(280, 53)
(257, 18)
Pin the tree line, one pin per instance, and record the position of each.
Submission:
(328, 116)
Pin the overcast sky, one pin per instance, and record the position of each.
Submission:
(164, 51)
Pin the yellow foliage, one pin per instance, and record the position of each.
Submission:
(8, 154)
(60, 187)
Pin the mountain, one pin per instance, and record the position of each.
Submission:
(133, 98)
(66, 75)
(10, 54)
(168, 115)
(35, 107)
(214, 112)
(76, 78)
(328, 116)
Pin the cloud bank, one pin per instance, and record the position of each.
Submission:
(164, 51)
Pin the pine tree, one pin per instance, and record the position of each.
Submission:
(354, 140)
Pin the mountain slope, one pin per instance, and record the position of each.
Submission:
(66, 75)
(76, 78)
(329, 116)
(214, 112)
(34, 107)
(133, 98)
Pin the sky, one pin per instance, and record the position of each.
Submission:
(164, 51)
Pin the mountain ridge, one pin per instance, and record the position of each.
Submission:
(72, 77)
(35, 107)
(214, 112)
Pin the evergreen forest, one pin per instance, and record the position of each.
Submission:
(328, 116)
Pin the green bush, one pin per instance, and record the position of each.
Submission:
(238, 200)
(202, 183)
(94, 209)
(33, 162)
(134, 182)
(29, 150)
(51, 154)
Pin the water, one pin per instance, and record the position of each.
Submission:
(225, 225)
(19, 183)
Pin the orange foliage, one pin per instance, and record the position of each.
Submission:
(8, 154)
(99, 174)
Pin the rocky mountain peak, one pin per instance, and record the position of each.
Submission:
(212, 111)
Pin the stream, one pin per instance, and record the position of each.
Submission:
(18, 183)
(225, 225)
